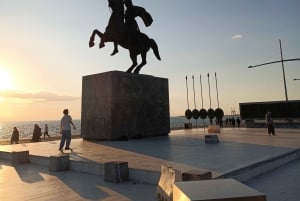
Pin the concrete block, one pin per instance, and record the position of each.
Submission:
(118, 106)
(165, 185)
(188, 126)
(116, 171)
(18, 157)
(217, 190)
(5, 155)
(59, 163)
(213, 129)
(211, 139)
(195, 175)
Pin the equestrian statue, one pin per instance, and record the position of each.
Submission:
(123, 30)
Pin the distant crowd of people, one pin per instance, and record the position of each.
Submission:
(229, 122)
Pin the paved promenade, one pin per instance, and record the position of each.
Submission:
(182, 149)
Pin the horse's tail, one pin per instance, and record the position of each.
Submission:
(154, 47)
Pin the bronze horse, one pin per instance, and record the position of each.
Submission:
(117, 32)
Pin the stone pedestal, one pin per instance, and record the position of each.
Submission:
(195, 175)
(118, 105)
(188, 126)
(213, 129)
(59, 163)
(211, 139)
(116, 171)
(19, 157)
(218, 190)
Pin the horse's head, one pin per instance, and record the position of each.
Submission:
(116, 5)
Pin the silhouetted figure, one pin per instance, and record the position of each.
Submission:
(37, 133)
(233, 122)
(46, 130)
(15, 136)
(65, 130)
(123, 30)
(269, 123)
(115, 24)
(238, 121)
(130, 14)
(219, 122)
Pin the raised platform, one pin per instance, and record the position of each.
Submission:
(235, 156)
(241, 154)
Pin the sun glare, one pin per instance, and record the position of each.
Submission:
(5, 80)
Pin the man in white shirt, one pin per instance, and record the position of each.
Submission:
(65, 130)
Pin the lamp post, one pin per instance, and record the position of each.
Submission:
(282, 64)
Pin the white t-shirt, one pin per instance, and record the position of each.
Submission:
(65, 122)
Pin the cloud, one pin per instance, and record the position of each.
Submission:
(30, 97)
(237, 37)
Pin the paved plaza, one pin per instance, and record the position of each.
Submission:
(182, 149)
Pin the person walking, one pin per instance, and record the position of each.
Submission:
(15, 136)
(233, 122)
(37, 133)
(65, 130)
(238, 121)
(46, 131)
(269, 123)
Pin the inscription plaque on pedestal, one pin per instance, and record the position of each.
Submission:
(118, 105)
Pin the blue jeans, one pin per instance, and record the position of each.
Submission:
(65, 136)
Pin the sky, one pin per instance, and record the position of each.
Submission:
(44, 52)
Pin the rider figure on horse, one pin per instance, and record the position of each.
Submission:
(115, 23)
(131, 25)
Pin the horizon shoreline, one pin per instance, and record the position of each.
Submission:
(28, 140)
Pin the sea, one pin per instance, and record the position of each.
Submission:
(26, 127)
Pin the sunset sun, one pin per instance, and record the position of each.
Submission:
(5, 80)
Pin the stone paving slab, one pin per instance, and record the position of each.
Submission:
(279, 184)
(32, 182)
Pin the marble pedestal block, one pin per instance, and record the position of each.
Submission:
(213, 129)
(211, 139)
(19, 157)
(59, 163)
(118, 105)
(188, 126)
(195, 175)
(116, 171)
(217, 190)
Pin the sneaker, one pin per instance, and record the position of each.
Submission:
(61, 150)
(68, 148)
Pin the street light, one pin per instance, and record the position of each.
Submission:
(296, 79)
(282, 64)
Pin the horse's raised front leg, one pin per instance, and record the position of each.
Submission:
(92, 38)
(144, 62)
(134, 62)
